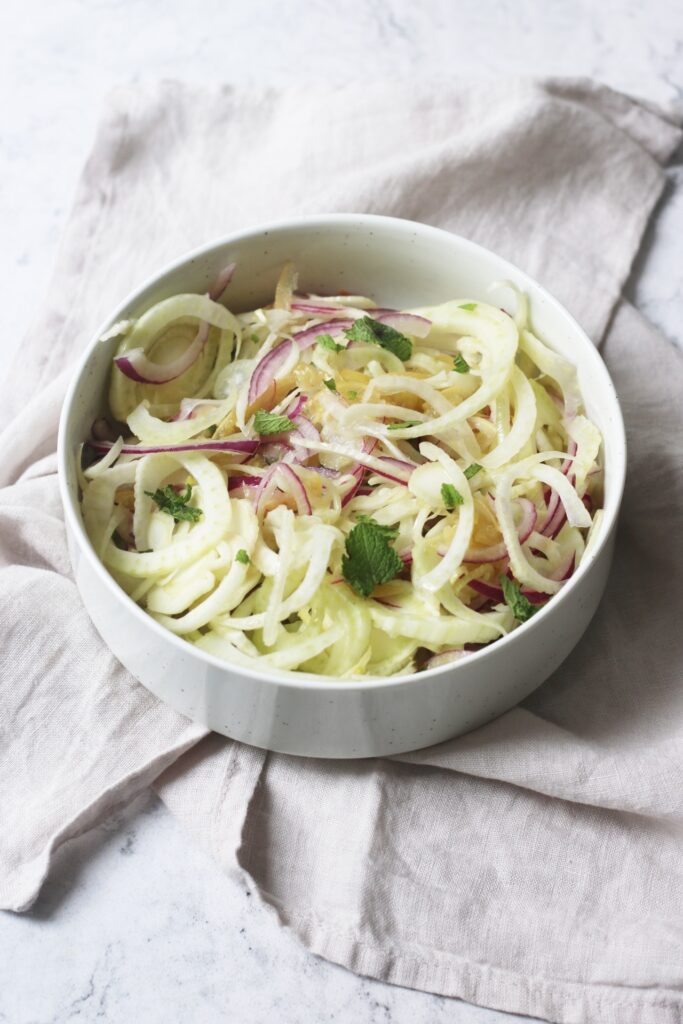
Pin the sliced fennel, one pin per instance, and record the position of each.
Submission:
(466, 449)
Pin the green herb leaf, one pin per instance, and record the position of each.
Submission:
(375, 333)
(212, 429)
(390, 532)
(450, 496)
(403, 424)
(175, 504)
(353, 395)
(266, 423)
(242, 557)
(370, 559)
(521, 607)
(255, 338)
(460, 364)
(328, 342)
(472, 470)
(330, 384)
(469, 306)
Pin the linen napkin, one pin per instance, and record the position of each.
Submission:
(533, 865)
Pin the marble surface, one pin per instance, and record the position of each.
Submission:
(136, 924)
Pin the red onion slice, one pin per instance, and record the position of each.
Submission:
(284, 478)
(265, 488)
(304, 430)
(527, 523)
(490, 590)
(318, 309)
(357, 471)
(324, 471)
(222, 281)
(296, 488)
(297, 406)
(293, 451)
(285, 444)
(566, 570)
(555, 515)
(266, 369)
(553, 526)
(304, 339)
(243, 481)
(357, 475)
(406, 323)
(495, 593)
(237, 447)
(394, 469)
(137, 366)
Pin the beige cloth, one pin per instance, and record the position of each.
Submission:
(534, 865)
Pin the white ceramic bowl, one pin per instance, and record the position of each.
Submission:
(398, 263)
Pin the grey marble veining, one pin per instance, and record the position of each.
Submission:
(135, 924)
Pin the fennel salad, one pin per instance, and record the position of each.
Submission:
(328, 486)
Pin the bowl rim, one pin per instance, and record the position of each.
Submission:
(291, 679)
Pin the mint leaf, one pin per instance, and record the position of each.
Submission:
(242, 557)
(175, 504)
(328, 342)
(460, 364)
(469, 306)
(375, 333)
(266, 423)
(370, 559)
(451, 498)
(390, 532)
(521, 607)
(472, 470)
(330, 384)
(403, 424)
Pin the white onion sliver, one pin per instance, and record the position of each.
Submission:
(151, 430)
(577, 513)
(520, 565)
(444, 571)
(208, 531)
(522, 426)
(106, 462)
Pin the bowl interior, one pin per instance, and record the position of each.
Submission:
(397, 263)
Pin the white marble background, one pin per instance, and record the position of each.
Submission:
(135, 924)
